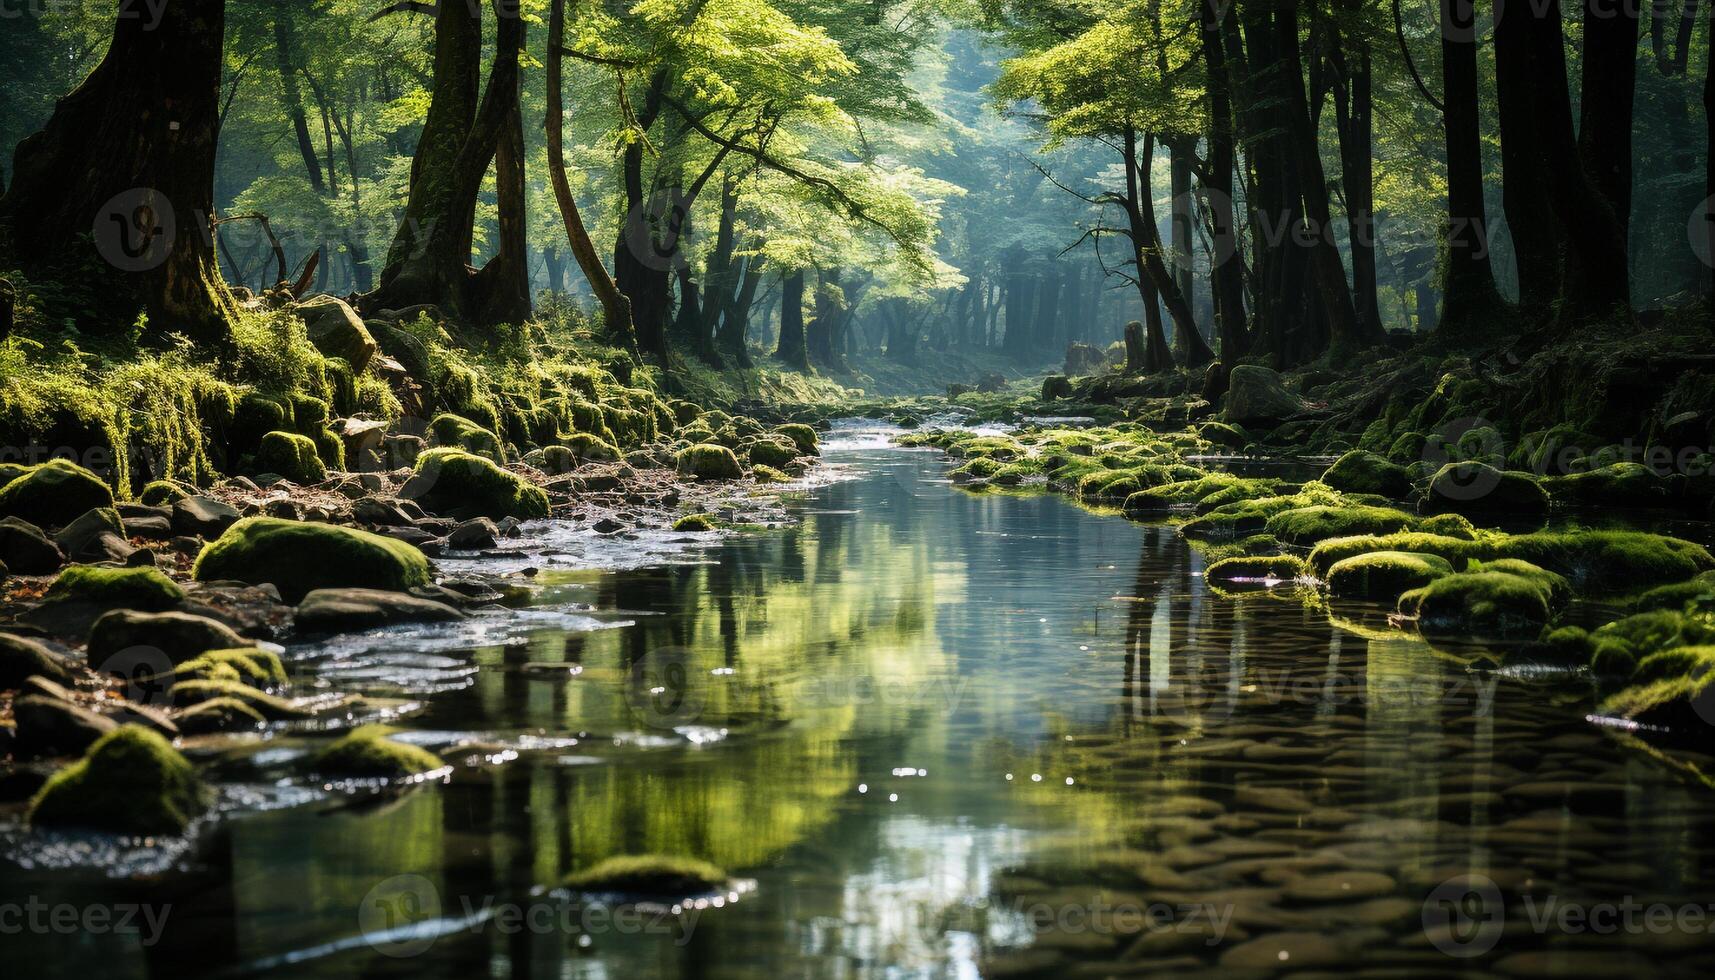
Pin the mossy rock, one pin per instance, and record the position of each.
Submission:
(461, 433)
(1254, 545)
(587, 446)
(292, 456)
(54, 494)
(768, 474)
(1225, 435)
(1619, 485)
(1308, 525)
(803, 436)
(195, 690)
(1480, 489)
(1155, 500)
(1257, 568)
(653, 875)
(458, 484)
(552, 460)
(1589, 559)
(709, 462)
(22, 658)
(1571, 645)
(368, 753)
(1365, 472)
(1677, 596)
(130, 782)
(1670, 692)
(330, 447)
(1498, 605)
(771, 452)
(1385, 575)
(252, 666)
(179, 636)
(162, 493)
(694, 523)
(218, 715)
(144, 589)
(298, 558)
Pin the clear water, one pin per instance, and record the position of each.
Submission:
(929, 734)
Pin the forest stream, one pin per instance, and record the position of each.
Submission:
(930, 733)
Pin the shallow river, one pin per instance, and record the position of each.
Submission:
(934, 734)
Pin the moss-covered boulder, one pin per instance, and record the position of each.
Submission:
(654, 875)
(1676, 596)
(1385, 575)
(54, 494)
(143, 589)
(1480, 489)
(335, 330)
(162, 493)
(803, 436)
(298, 558)
(188, 691)
(1619, 485)
(1365, 472)
(251, 666)
(458, 432)
(462, 485)
(694, 524)
(1257, 397)
(1670, 693)
(1224, 435)
(368, 753)
(132, 781)
(709, 462)
(1600, 560)
(775, 452)
(1308, 525)
(27, 550)
(1511, 604)
(1257, 568)
(292, 456)
(218, 715)
(588, 446)
(179, 636)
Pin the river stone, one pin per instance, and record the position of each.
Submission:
(335, 330)
(474, 535)
(27, 550)
(1283, 951)
(49, 726)
(98, 535)
(1256, 396)
(178, 636)
(54, 494)
(22, 658)
(203, 517)
(380, 513)
(351, 610)
(219, 715)
(1340, 886)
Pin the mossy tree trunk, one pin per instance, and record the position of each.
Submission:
(116, 193)
(1226, 272)
(793, 348)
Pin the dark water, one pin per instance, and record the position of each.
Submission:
(937, 734)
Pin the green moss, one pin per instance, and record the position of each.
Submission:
(1676, 596)
(298, 558)
(1254, 545)
(1308, 525)
(1366, 472)
(195, 690)
(144, 589)
(248, 665)
(649, 874)
(1608, 658)
(696, 523)
(803, 436)
(1155, 500)
(1619, 485)
(709, 462)
(1494, 604)
(1225, 435)
(1568, 645)
(1407, 447)
(1590, 559)
(461, 433)
(368, 753)
(592, 447)
(1477, 488)
(1663, 691)
(771, 452)
(457, 483)
(218, 714)
(1385, 575)
(130, 782)
(1257, 568)
(292, 456)
(768, 474)
(162, 493)
(54, 494)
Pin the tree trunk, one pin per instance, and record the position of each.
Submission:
(1020, 306)
(732, 340)
(1226, 267)
(616, 309)
(1605, 104)
(1531, 221)
(793, 349)
(1193, 350)
(1047, 310)
(1708, 156)
(126, 164)
(292, 97)
(1353, 115)
(1468, 284)
(501, 289)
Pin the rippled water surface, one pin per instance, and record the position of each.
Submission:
(935, 734)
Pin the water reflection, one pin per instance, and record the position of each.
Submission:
(930, 726)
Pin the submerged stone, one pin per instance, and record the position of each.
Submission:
(368, 753)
